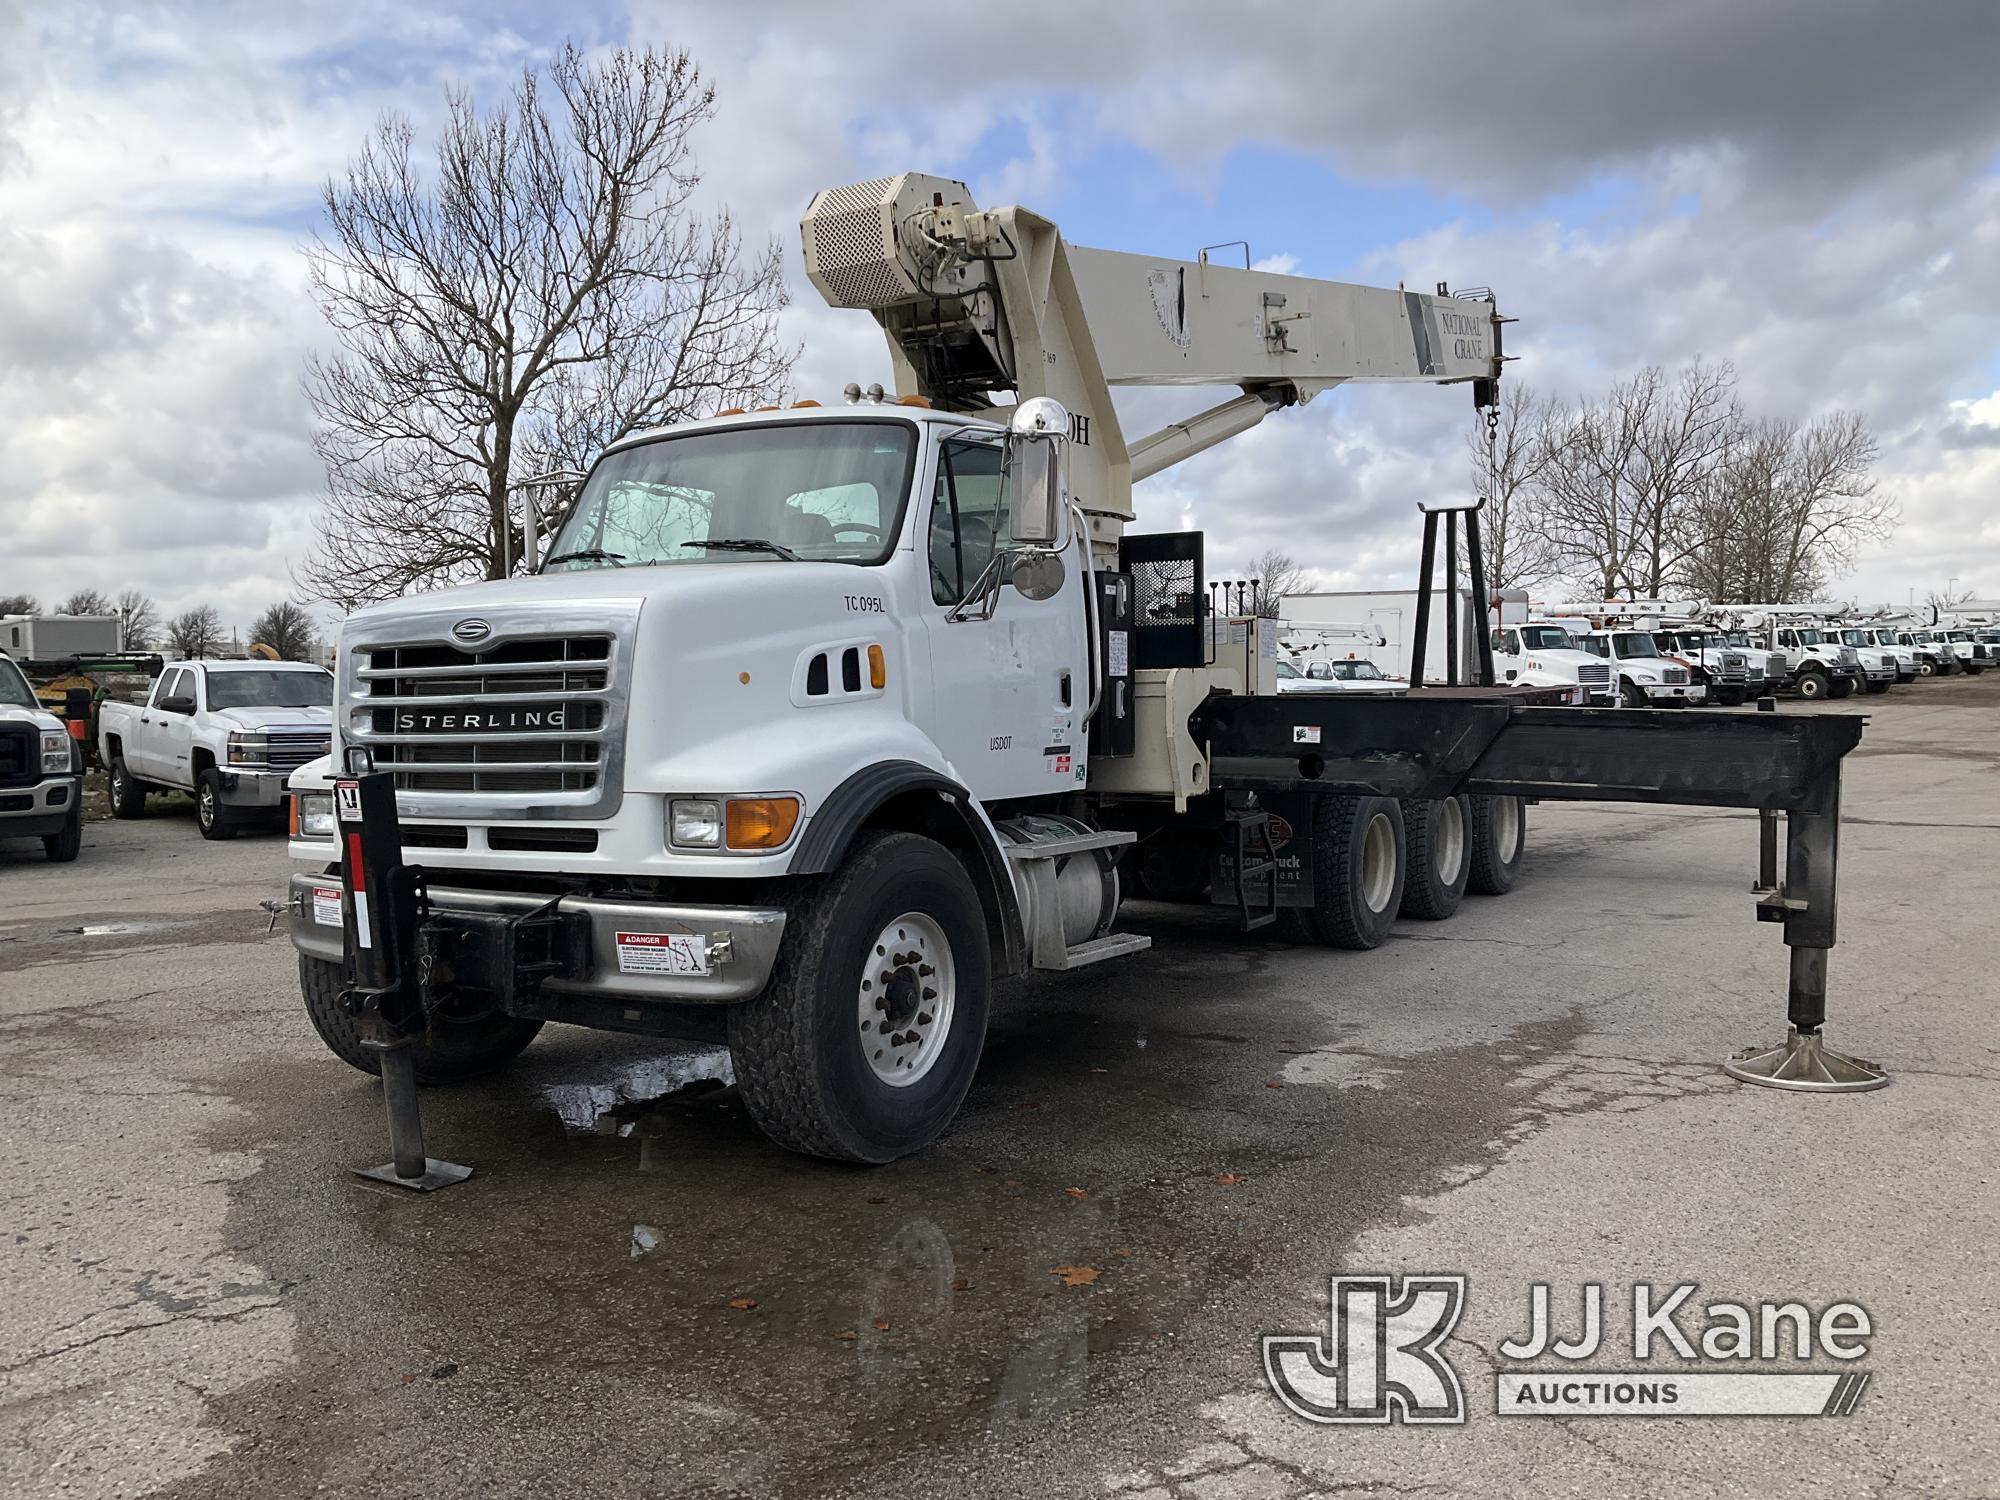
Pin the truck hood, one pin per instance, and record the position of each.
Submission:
(12, 714)
(551, 589)
(274, 718)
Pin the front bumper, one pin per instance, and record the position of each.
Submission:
(1674, 692)
(252, 788)
(735, 945)
(41, 809)
(31, 811)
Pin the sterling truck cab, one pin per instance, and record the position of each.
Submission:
(1644, 677)
(1540, 654)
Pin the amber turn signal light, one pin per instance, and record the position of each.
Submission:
(761, 822)
(878, 668)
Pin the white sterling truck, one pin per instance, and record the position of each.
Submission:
(817, 721)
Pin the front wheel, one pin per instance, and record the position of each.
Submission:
(1813, 685)
(1841, 687)
(467, 1036)
(865, 1040)
(213, 819)
(1732, 697)
(63, 847)
(1631, 694)
(1878, 686)
(1436, 836)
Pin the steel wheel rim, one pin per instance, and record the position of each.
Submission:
(1450, 841)
(1378, 862)
(1507, 828)
(909, 991)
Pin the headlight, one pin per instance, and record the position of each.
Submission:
(55, 752)
(315, 815)
(249, 749)
(744, 825)
(695, 823)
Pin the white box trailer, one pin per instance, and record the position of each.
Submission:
(53, 637)
(1393, 615)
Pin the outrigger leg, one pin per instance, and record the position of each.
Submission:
(1804, 901)
(381, 898)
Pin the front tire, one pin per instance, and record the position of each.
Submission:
(1813, 685)
(128, 793)
(63, 847)
(465, 1039)
(1499, 838)
(1841, 687)
(1878, 687)
(864, 1042)
(1437, 837)
(210, 815)
(1630, 694)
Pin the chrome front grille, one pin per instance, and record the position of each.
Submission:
(1594, 674)
(525, 716)
(290, 750)
(524, 722)
(1673, 676)
(1733, 668)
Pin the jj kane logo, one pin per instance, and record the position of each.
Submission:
(1382, 1357)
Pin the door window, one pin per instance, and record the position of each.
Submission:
(968, 518)
(171, 685)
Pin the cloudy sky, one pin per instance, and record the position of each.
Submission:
(1807, 188)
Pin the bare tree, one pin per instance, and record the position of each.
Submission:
(1946, 600)
(1590, 475)
(1681, 445)
(1278, 576)
(288, 630)
(85, 602)
(19, 604)
(195, 632)
(138, 621)
(1518, 551)
(545, 288)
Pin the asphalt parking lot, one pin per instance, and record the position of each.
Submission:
(1158, 1163)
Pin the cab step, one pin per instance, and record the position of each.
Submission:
(1112, 945)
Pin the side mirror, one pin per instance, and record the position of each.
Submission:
(180, 703)
(1035, 439)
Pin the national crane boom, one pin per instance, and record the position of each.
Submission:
(978, 303)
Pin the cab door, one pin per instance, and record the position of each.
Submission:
(1010, 694)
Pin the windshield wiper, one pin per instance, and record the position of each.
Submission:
(586, 554)
(745, 544)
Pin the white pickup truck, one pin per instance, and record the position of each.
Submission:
(227, 732)
(41, 773)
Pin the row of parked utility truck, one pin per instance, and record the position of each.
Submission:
(1649, 653)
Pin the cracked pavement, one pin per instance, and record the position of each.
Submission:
(202, 1302)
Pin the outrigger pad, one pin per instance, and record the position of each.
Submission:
(437, 1174)
(1805, 1063)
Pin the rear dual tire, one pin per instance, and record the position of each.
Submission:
(1499, 839)
(1359, 863)
(1438, 840)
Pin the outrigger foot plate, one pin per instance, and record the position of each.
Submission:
(437, 1174)
(1803, 1062)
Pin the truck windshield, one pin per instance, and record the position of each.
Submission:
(1633, 643)
(1357, 671)
(816, 491)
(1857, 637)
(270, 690)
(1811, 638)
(14, 689)
(1736, 638)
(1546, 638)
